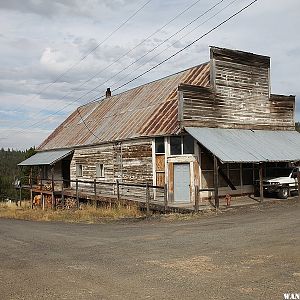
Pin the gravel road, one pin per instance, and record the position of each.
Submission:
(248, 253)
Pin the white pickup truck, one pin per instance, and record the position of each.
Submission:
(282, 184)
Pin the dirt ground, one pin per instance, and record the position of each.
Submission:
(245, 253)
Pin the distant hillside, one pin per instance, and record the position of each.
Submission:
(9, 169)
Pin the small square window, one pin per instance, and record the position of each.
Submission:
(99, 170)
(79, 170)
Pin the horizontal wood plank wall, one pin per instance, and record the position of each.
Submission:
(130, 161)
(239, 96)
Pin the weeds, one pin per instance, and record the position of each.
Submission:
(87, 213)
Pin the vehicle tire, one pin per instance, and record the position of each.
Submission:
(283, 193)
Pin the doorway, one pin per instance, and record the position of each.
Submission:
(182, 182)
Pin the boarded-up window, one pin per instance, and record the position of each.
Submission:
(160, 163)
(160, 178)
(99, 170)
(160, 169)
(79, 170)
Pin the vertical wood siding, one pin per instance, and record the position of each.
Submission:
(239, 96)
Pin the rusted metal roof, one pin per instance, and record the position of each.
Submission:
(243, 145)
(147, 110)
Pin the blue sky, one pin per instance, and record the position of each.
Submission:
(40, 40)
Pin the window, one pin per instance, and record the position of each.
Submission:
(188, 144)
(79, 170)
(175, 145)
(159, 145)
(99, 170)
(182, 145)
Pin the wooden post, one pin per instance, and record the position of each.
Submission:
(216, 182)
(165, 197)
(77, 195)
(196, 198)
(31, 199)
(298, 182)
(20, 194)
(31, 193)
(52, 188)
(118, 190)
(261, 187)
(62, 195)
(43, 201)
(95, 192)
(147, 200)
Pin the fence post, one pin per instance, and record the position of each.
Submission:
(31, 193)
(52, 188)
(62, 195)
(196, 198)
(147, 199)
(77, 195)
(95, 192)
(298, 182)
(43, 201)
(20, 194)
(118, 190)
(216, 182)
(165, 197)
(261, 186)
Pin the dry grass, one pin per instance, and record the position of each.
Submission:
(87, 214)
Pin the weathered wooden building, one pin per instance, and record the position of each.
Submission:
(207, 128)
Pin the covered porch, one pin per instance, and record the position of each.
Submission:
(232, 160)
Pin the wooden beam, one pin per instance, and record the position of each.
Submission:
(261, 187)
(52, 187)
(226, 178)
(216, 182)
(298, 182)
(221, 172)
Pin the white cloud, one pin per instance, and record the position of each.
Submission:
(41, 39)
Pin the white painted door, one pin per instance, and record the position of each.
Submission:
(182, 182)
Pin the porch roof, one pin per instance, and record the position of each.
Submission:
(241, 145)
(46, 158)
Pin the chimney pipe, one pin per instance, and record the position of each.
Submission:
(108, 93)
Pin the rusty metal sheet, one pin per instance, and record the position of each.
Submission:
(147, 110)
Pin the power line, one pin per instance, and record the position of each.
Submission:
(91, 51)
(148, 52)
(165, 60)
(184, 36)
(118, 59)
(176, 53)
(144, 55)
(214, 15)
(187, 46)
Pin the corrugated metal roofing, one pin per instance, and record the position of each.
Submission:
(45, 158)
(147, 110)
(240, 145)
